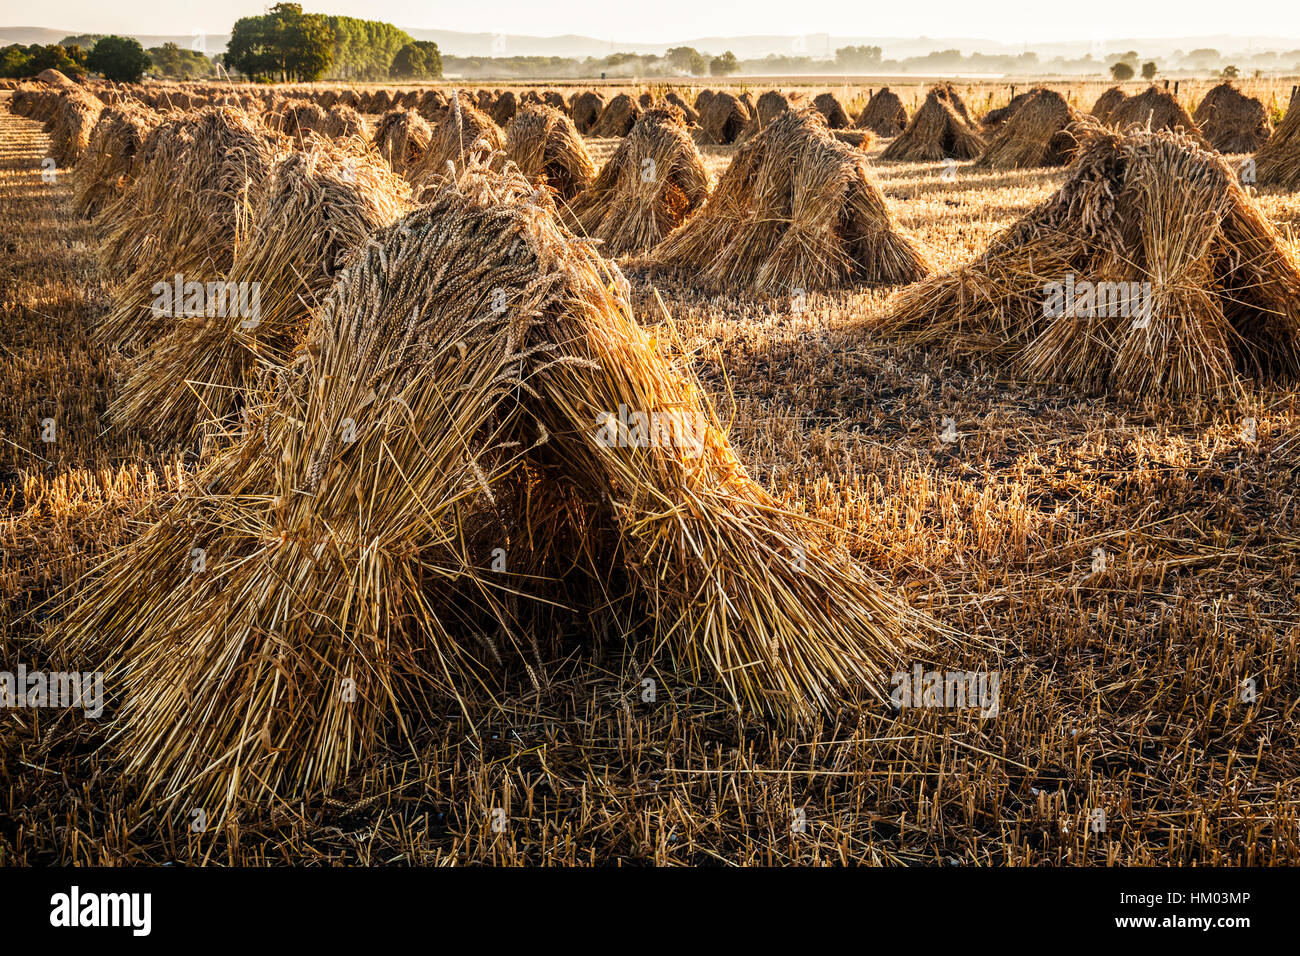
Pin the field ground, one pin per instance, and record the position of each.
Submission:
(1122, 685)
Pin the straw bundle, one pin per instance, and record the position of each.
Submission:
(833, 110)
(295, 117)
(1232, 122)
(317, 208)
(104, 169)
(1036, 134)
(884, 114)
(993, 119)
(653, 182)
(402, 138)
(546, 147)
(796, 209)
(1278, 161)
(617, 118)
(770, 105)
(937, 131)
(504, 108)
(555, 100)
(73, 121)
(702, 100)
(724, 119)
(55, 78)
(673, 98)
(344, 580)
(1155, 109)
(381, 101)
(344, 121)
(464, 134)
(586, 110)
(432, 105)
(1060, 295)
(183, 213)
(1107, 102)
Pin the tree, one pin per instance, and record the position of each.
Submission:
(685, 59)
(418, 59)
(858, 57)
(285, 44)
(179, 63)
(1121, 71)
(724, 65)
(1148, 70)
(1230, 72)
(120, 59)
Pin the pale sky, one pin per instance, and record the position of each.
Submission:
(1010, 21)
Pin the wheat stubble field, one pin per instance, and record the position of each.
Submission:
(1125, 565)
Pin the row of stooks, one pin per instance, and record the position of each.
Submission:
(1032, 130)
(441, 371)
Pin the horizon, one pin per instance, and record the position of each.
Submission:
(1016, 22)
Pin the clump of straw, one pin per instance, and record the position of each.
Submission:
(586, 109)
(653, 182)
(402, 138)
(617, 118)
(884, 114)
(1231, 121)
(449, 398)
(796, 209)
(73, 122)
(941, 129)
(1037, 133)
(1278, 161)
(463, 136)
(1150, 272)
(317, 208)
(104, 170)
(546, 147)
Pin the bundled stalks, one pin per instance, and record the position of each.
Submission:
(1153, 109)
(723, 119)
(104, 170)
(1038, 133)
(317, 208)
(182, 215)
(546, 147)
(1150, 273)
(939, 130)
(884, 114)
(833, 111)
(465, 135)
(586, 109)
(1278, 161)
(617, 118)
(402, 138)
(796, 209)
(1231, 121)
(72, 124)
(346, 534)
(653, 182)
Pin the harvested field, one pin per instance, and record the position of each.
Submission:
(1123, 557)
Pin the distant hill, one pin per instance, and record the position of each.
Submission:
(745, 47)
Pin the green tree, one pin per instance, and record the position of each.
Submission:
(285, 44)
(1230, 72)
(1121, 71)
(685, 59)
(419, 59)
(724, 65)
(120, 59)
(858, 57)
(179, 63)
(1149, 70)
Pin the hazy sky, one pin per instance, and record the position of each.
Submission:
(663, 20)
